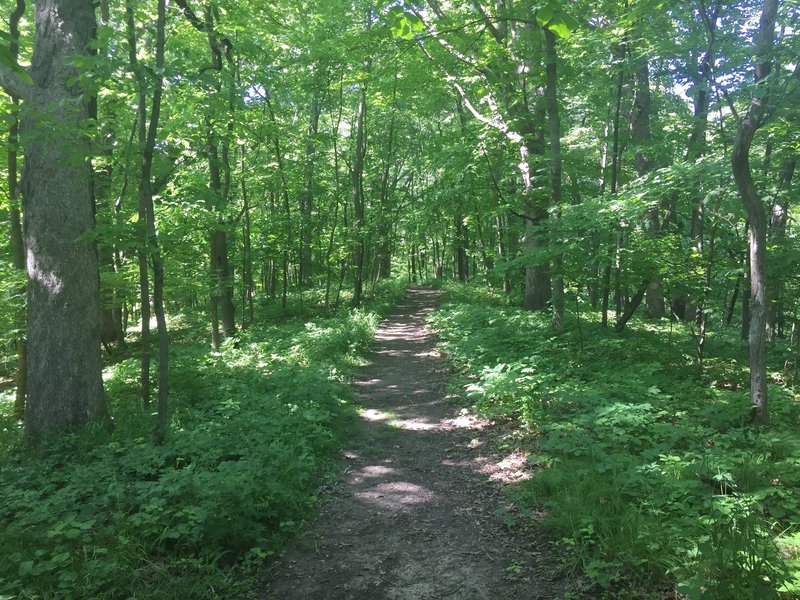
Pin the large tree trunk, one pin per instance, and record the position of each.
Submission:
(537, 275)
(65, 388)
(640, 136)
(748, 124)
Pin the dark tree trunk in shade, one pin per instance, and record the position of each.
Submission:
(554, 121)
(777, 237)
(537, 276)
(356, 182)
(307, 198)
(640, 135)
(65, 388)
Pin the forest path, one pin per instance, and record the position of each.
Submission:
(414, 515)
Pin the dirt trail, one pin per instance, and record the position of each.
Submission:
(415, 513)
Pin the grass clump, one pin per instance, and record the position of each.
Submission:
(655, 480)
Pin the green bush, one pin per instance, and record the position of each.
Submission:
(253, 427)
(654, 479)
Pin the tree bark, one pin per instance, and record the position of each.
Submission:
(150, 252)
(307, 199)
(748, 125)
(219, 169)
(777, 236)
(615, 165)
(65, 388)
(640, 136)
(356, 182)
(17, 245)
(554, 120)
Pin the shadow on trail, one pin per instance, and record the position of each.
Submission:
(412, 516)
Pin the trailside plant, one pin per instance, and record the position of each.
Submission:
(253, 427)
(654, 478)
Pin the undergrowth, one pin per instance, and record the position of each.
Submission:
(651, 477)
(253, 428)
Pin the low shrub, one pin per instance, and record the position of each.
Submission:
(655, 480)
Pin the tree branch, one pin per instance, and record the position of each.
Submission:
(13, 84)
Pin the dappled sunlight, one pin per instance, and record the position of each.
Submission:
(429, 442)
(375, 415)
(369, 472)
(512, 469)
(396, 495)
(419, 424)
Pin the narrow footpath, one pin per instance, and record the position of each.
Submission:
(417, 512)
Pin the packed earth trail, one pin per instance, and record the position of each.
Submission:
(417, 511)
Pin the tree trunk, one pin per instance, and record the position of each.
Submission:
(307, 199)
(248, 284)
(640, 136)
(461, 263)
(356, 180)
(746, 129)
(777, 236)
(65, 388)
(219, 169)
(150, 252)
(551, 99)
(615, 166)
(17, 245)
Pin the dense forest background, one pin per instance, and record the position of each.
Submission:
(207, 204)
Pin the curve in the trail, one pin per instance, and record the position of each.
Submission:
(415, 513)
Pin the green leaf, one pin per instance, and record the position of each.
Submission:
(25, 568)
(415, 22)
(570, 21)
(560, 29)
(544, 15)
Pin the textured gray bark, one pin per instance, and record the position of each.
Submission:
(65, 388)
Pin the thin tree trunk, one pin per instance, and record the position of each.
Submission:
(307, 199)
(248, 283)
(356, 179)
(151, 251)
(615, 165)
(17, 246)
(551, 99)
(747, 127)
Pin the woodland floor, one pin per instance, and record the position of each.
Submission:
(416, 513)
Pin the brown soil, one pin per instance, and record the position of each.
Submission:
(417, 512)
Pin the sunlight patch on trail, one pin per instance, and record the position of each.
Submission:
(396, 495)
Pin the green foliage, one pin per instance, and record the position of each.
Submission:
(654, 479)
(99, 515)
